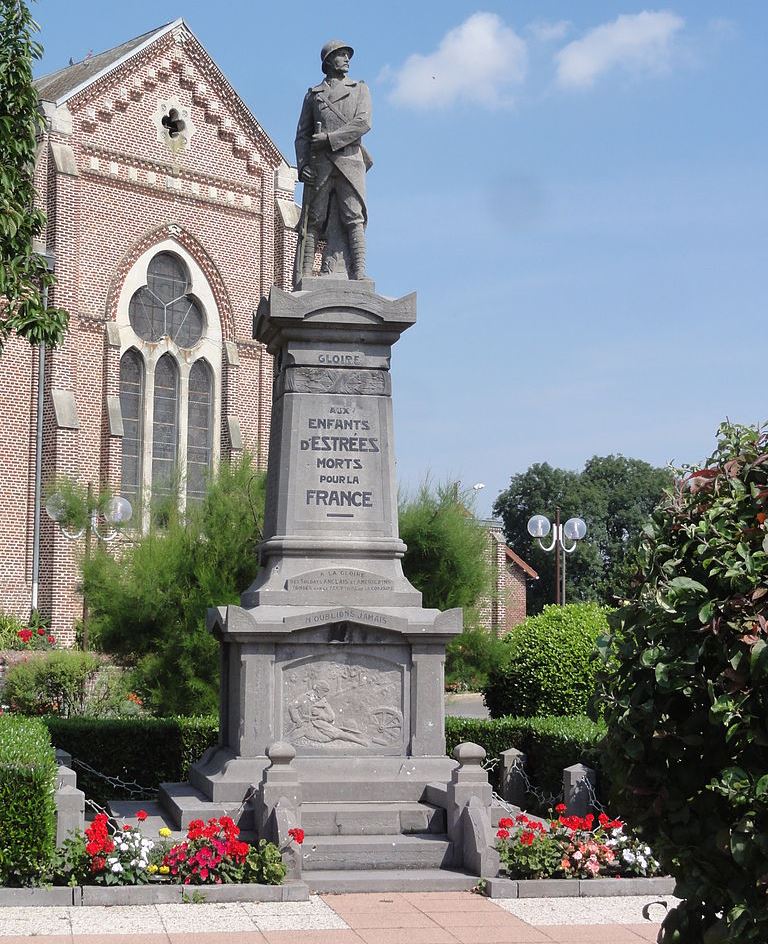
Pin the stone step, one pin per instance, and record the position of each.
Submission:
(424, 851)
(182, 803)
(344, 881)
(124, 812)
(362, 819)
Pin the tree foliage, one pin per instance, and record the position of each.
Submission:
(685, 693)
(23, 273)
(613, 494)
(148, 605)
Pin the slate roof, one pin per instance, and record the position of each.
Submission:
(58, 86)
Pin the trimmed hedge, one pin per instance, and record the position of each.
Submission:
(27, 808)
(151, 751)
(147, 751)
(550, 663)
(550, 743)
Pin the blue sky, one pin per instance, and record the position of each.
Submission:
(576, 191)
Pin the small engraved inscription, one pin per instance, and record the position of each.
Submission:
(340, 578)
(342, 703)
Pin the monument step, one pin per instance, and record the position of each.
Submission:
(182, 803)
(425, 851)
(124, 813)
(362, 819)
(346, 881)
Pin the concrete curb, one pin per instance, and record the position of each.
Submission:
(153, 894)
(577, 888)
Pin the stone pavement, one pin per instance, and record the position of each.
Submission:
(384, 918)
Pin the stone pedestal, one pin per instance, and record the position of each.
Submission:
(331, 650)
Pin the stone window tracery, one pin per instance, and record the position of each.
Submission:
(170, 378)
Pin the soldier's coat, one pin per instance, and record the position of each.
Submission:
(343, 111)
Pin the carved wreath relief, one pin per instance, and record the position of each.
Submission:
(335, 380)
(341, 704)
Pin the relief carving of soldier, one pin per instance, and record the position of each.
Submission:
(332, 163)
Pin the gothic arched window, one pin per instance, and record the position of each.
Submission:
(132, 408)
(199, 430)
(170, 378)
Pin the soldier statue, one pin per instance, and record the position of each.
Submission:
(332, 164)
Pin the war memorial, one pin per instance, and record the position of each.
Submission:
(331, 704)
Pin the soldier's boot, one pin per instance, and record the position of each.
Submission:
(310, 242)
(356, 236)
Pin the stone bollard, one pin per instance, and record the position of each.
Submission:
(513, 782)
(468, 811)
(280, 781)
(579, 782)
(70, 804)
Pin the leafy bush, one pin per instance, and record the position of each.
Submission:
(147, 751)
(148, 607)
(10, 627)
(550, 744)
(686, 694)
(469, 658)
(64, 682)
(27, 811)
(550, 663)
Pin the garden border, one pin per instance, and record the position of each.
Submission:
(151, 894)
(577, 888)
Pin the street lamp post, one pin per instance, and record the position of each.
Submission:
(573, 530)
(116, 511)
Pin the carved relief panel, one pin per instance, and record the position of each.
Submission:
(343, 701)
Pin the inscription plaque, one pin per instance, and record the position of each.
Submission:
(343, 704)
(339, 578)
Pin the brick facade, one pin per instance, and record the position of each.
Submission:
(115, 185)
(506, 607)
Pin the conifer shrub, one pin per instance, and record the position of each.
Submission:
(27, 810)
(685, 693)
(549, 663)
(148, 605)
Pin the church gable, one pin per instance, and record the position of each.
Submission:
(164, 102)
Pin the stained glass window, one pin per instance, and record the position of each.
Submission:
(165, 425)
(199, 429)
(132, 409)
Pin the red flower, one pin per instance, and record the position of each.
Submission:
(141, 815)
(98, 864)
(506, 823)
(41, 631)
(502, 834)
(297, 835)
(603, 819)
(51, 640)
(25, 635)
(561, 808)
(527, 838)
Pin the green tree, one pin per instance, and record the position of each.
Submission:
(447, 559)
(685, 693)
(148, 605)
(23, 274)
(613, 494)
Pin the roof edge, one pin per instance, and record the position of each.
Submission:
(161, 31)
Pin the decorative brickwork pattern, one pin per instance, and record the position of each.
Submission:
(114, 185)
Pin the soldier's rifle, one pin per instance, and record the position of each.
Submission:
(306, 201)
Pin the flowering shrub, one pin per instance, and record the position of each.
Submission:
(571, 847)
(211, 854)
(118, 857)
(34, 639)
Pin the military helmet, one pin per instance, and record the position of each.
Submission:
(333, 46)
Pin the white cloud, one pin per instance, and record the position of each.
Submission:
(477, 62)
(639, 42)
(546, 31)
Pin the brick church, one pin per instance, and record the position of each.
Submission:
(170, 214)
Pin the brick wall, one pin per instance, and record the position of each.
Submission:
(131, 190)
(506, 607)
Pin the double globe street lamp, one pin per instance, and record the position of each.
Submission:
(573, 530)
(115, 512)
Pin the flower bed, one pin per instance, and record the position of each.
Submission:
(211, 854)
(572, 847)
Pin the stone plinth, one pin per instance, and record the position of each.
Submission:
(330, 650)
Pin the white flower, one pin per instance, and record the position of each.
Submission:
(628, 856)
(577, 856)
(117, 867)
(643, 863)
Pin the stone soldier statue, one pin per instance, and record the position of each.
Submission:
(332, 164)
